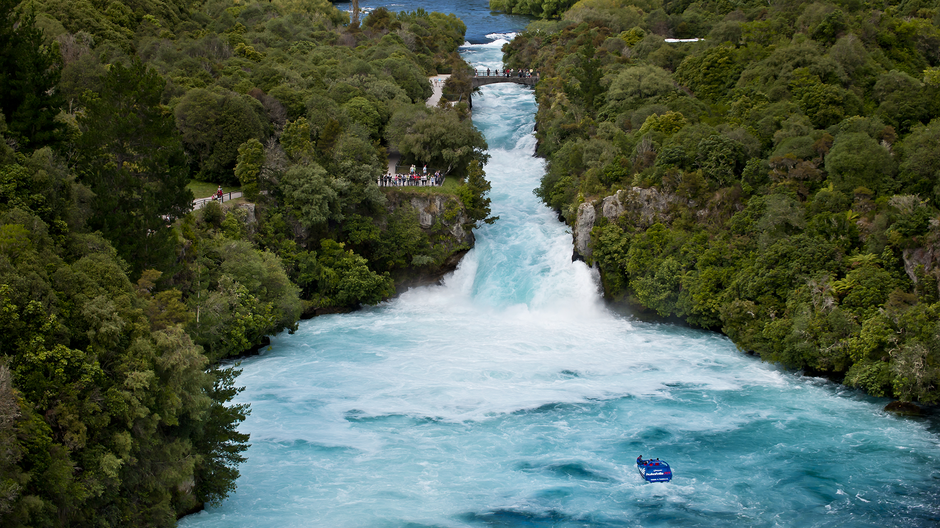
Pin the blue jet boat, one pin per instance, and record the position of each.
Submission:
(654, 470)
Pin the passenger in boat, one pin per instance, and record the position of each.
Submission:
(640, 461)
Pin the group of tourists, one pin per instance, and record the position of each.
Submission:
(414, 178)
(511, 72)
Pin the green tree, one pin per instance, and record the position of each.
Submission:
(586, 88)
(635, 86)
(345, 280)
(213, 126)
(248, 168)
(920, 165)
(129, 154)
(29, 73)
(241, 295)
(903, 100)
(296, 139)
(474, 194)
(857, 160)
(218, 438)
(440, 139)
(312, 195)
(710, 74)
(721, 158)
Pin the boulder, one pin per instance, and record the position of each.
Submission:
(904, 408)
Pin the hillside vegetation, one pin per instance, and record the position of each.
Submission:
(790, 164)
(117, 304)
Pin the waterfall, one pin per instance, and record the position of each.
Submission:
(510, 395)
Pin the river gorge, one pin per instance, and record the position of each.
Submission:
(511, 395)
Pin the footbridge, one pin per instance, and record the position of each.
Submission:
(482, 80)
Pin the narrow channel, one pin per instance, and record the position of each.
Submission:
(511, 396)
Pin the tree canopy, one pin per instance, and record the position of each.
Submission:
(778, 177)
(118, 301)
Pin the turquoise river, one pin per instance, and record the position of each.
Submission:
(510, 395)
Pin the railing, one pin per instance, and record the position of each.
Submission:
(509, 74)
(201, 202)
(411, 180)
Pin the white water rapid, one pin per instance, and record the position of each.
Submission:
(511, 396)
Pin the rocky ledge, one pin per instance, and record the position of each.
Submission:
(644, 207)
(443, 217)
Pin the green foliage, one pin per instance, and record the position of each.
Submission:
(129, 155)
(105, 393)
(296, 140)
(635, 85)
(240, 295)
(473, 194)
(113, 410)
(248, 168)
(218, 437)
(344, 278)
(857, 160)
(710, 74)
(31, 69)
(213, 126)
(791, 174)
(586, 86)
(438, 138)
(920, 169)
(721, 159)
(668, 123)
(312, 194)
(539, 8)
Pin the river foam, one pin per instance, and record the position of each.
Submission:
(510, 395)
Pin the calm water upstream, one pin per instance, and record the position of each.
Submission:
(510, 396)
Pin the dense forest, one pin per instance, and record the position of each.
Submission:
(777, 180)
(118, 302)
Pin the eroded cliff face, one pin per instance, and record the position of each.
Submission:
(923, 263)
(443, 218)
(643, 207)
(445, 209)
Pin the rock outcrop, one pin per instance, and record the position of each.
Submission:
(433, 208)
(922, 260)
(443, 217)
(582, 230)
(904, 408)
(643, 207)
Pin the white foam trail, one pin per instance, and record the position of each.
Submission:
(510, 395)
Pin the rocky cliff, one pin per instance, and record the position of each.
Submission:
(443, 218)
(432, 209)
(643, 207)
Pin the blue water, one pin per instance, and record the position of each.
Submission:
(511, 396)
(483, 25)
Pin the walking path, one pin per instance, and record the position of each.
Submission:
(393, 158)
(438, 83)
(199, 203)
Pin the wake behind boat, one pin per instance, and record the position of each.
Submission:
(654, 470)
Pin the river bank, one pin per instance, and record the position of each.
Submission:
(511, 394)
